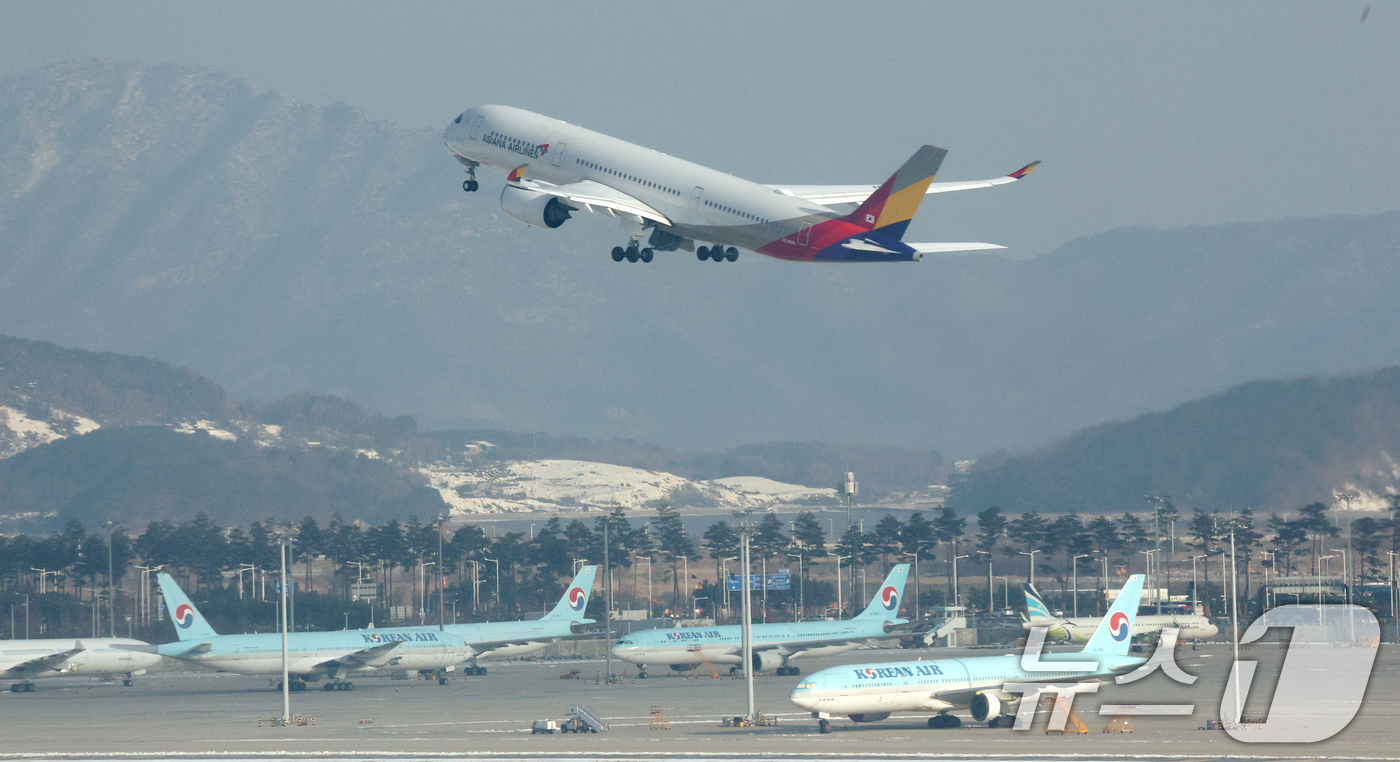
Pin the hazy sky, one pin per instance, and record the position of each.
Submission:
(1158, 114)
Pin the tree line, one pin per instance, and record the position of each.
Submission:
(491, 574)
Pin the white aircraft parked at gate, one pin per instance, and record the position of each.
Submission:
(1080, 629)
(556, 169)
(774, 644)
(871, 692)
(54, 657)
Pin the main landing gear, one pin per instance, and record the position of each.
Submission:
(24, 687)
(824, 726)
(297, 685)
(717, 253)
(788, 670)
(470, 185)
(335, 685)
(944, 721)
(632, 253)
(473, 669)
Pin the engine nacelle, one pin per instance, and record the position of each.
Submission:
(766, 661)
(681, 667)
(533, 207)
(869, 716)
(985, 706)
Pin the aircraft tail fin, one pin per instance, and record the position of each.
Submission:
(575, 599)
(885, 604)
(1035, 605)
(1115, 633)
(189, 623)
(890, 208)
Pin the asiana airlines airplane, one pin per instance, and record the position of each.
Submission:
(556, 168)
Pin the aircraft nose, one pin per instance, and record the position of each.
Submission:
(804, 696)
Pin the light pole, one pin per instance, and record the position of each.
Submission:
(1074, 568)
(801, 587)
(144, 606)
(1150, 579)
(423, 589)
(1346, 562)
(111, 589)
(1031, 553)
(955, 579)
(915, 554)
(1267, 591)
(282, 597)
(840, 605)
(1348, 496)
(497, 562)
(1005, 592)
(1390, 557)
(43, 575)
(1195, 589)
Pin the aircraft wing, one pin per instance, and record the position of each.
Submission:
(596, 197)
(829, 195)
(365, 657)
(34, 665)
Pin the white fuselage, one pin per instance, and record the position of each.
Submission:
(694, 646)
(1080, 629)
(98, 656)
(310, 654)
(914, 686)
(700, 203)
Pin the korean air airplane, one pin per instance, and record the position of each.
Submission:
(774, 644)
(555, 169)
(337, 655)
(871, 692)
(27, 660)
(1080, 629)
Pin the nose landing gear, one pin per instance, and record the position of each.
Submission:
(470, 185)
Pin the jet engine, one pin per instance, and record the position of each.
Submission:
(681, 667)
(984, 706)
(869, 716)
(533, 207)
(766, 661)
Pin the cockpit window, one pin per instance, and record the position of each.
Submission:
(624, 642)
(458, 120)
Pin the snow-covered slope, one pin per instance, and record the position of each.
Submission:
(19, 432)
(574, 485)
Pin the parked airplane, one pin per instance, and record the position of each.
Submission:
(556, 169)
(774, 644)
(27, 660)
(1080, 629)
(871, 692)
(339, 654)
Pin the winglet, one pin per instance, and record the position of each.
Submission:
(517, 173)
(1023, 171)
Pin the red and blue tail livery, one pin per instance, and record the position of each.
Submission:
(674, 205)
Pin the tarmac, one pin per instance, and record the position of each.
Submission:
(674, 716)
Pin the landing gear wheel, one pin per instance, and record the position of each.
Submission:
(470, 186)
(633, 255)
(731, 254)
(702, 253)
(442, 680)
(618, 253)
(824, 726)
(128, 682)
(647, 254)
(944, 721)
(331, 687)
(642, 675)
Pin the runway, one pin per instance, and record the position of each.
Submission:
(183, 716)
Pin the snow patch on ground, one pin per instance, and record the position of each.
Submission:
(208, 427)
(580, 486)
(19, 432)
